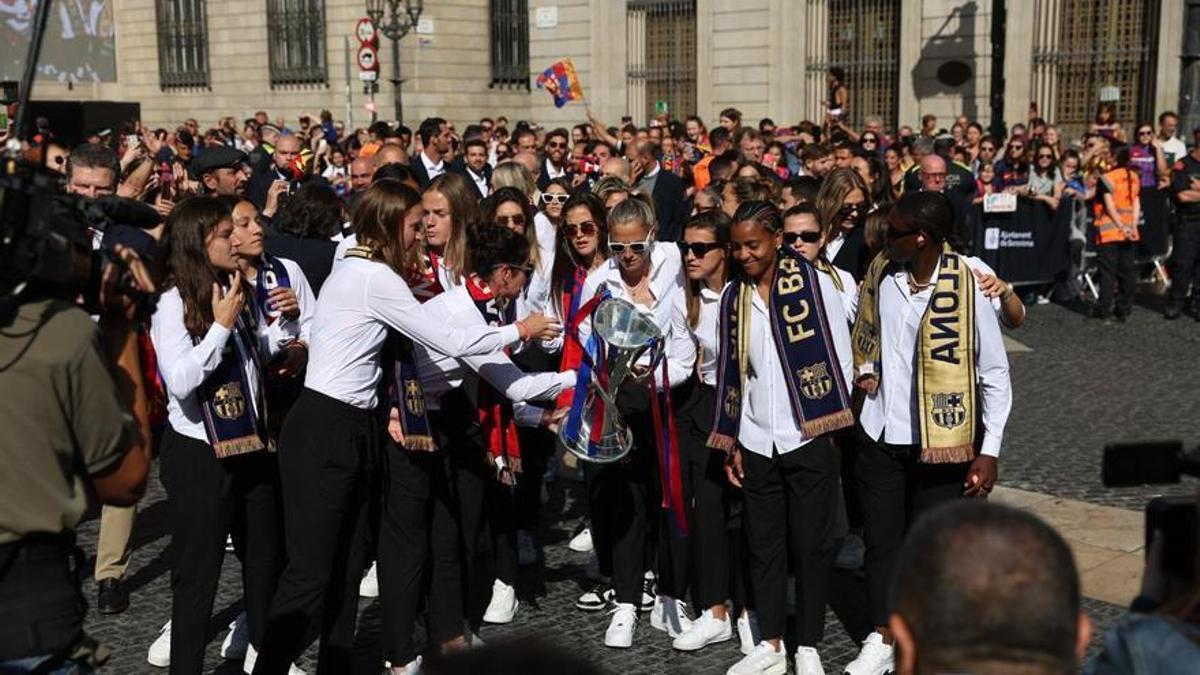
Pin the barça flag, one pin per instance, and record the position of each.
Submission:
(562, 82)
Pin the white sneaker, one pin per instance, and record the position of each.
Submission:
(229, 547)
(762, 660)
(503, 606)
(670, 615)
(411, 668)
(875, 658)
(620, 629)
(369, 586)
(236, 641)
(159, 654)
(808, 662)
(649, 593)
(705, 630)
(252, 658)
(748, 635)
(582, 541)
(598, 596)
(526, 552)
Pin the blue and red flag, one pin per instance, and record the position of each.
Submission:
(562, 82)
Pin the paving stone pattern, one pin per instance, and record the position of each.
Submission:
(1083, 385)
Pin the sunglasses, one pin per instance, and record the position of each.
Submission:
(893, 235)
(638, 247)
(587, 228)
(1045, 156)
(518, 220)
(986, 148)
(556, 144)
(550, 198)
(809, 237)
(1016, 147)
(526, 268)
(872, 141)
(848, 209)
(699, 249)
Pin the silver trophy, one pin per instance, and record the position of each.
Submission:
(626, 333)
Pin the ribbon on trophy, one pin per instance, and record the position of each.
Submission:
(587, 364)
(666, 439)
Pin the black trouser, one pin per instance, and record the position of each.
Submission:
(1116, 265)
(701, 560)
(895, 488)
(1185, 256)
(618, 494)
(790, 499)
(41, 605)
(537, 447)
(328, 456)
(418, 523)
(206, 497)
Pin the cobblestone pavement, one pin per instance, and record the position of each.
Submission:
(1083, 384)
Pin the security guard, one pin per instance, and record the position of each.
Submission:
(1185, 190)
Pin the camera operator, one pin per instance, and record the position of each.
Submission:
(69, 428)
(1161, 633)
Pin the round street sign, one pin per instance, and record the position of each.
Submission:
(365, 31)
(368, 58)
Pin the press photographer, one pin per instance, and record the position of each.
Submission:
(67, 421)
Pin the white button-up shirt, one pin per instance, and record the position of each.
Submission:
(889, 415)
(708, 323)
(768, 422)
(360, 300)
(669, 310)
(441, 373)
(185, 365)
(434, 170)
(481, 182)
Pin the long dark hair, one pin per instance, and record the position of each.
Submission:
(564, 255)
(313, 212)
(506, 195)
(186, 265)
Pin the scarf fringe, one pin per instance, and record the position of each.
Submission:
(238, 446)
(722, 442)
(513, 463)
(828, 423)
(419, 443)
(957, 454)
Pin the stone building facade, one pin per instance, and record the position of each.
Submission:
(904, 58)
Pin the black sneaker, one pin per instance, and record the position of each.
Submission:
(111, 597)
(596, 597)
(649, 593)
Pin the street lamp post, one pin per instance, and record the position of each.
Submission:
(402, 17)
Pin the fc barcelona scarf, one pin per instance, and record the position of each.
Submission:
(231, 408)
(425, 283)
(495, 410)
(815, 385)
(572, 353)
(271, 275)
(945, 358)
(405, 391)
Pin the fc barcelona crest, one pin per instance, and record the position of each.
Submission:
(948, 410)
(866, 341)
(229, 403)
(414, 398)
(733, 402)
(815, 382)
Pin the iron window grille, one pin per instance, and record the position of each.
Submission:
(510, 43)
(296, 42)
(182, 43)
(662, 56)
(863, 39)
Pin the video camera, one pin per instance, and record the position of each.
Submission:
(46, 237)
(1157, 463)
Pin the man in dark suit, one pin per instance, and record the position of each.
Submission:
(283, 165)
(557, 163)
(474, 166)
(435, 137)
(664, 188)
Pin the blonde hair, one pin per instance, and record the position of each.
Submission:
(511, 173)
(638, 208)
(831, 196)
(463, 199)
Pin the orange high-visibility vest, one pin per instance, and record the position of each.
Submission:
(1125, 188)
